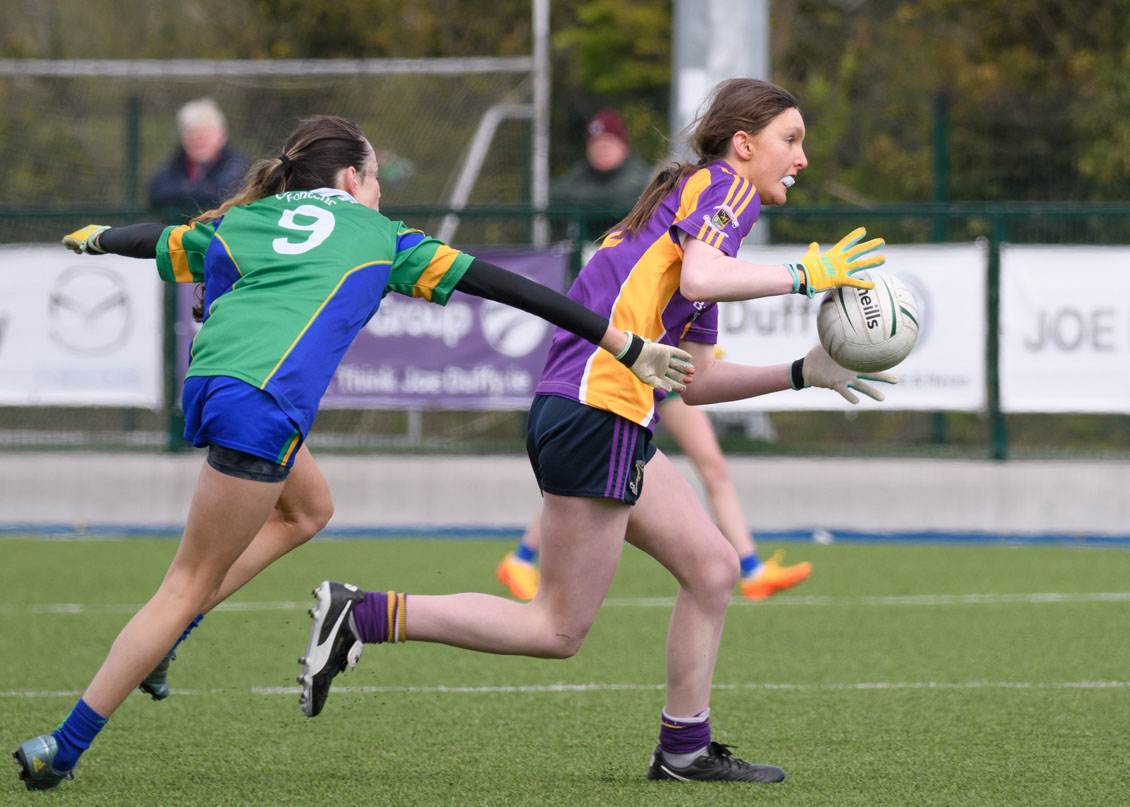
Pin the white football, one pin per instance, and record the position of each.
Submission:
(868, 330)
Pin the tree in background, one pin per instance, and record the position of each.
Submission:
(1037, 90)
(1036, 93)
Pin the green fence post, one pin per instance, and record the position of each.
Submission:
(132, 173)
(941, 164)
(174, 420)
(998, 435)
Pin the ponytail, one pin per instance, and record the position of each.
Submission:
(666, 179)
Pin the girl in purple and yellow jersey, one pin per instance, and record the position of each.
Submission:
(589, 439)
(293, 267)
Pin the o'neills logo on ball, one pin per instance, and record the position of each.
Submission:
(869, 306)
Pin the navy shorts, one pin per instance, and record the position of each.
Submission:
(578, 450)
(224, 411)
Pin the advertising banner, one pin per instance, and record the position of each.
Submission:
(946, 369)
(1065, 344)
(78, 330)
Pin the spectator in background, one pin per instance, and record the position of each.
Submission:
(204, 170)
(611, 175)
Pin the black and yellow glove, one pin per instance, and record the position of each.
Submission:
(85, 239)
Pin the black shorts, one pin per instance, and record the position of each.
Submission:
(240, 464)
(577, 450)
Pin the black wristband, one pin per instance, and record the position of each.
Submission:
(796, 374)
(632, 351)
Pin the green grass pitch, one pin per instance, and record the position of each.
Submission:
(896, 675)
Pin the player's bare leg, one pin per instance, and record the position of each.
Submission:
(692, 430)
(302, 510)
(225, 515)
(581, 543)
(671, 525)
(582, 539)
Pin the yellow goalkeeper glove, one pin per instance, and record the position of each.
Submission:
(85, 239)
(826, 270)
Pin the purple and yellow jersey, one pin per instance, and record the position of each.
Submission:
(634, 281)
(291, 279)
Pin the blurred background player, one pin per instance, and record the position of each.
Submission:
(691, 429)
(204, 170)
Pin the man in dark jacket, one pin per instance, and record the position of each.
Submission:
(204, 170)
(610, 177)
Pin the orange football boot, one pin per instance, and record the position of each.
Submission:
(772, 577)
(518, 576)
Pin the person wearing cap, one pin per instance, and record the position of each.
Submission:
(610, 176)
(204, 170)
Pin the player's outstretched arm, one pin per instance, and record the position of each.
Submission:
(657, 365)
(817, 369)
(709, 275)
(133, 241)
(718, 381)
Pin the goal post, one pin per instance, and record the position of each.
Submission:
(87, 133)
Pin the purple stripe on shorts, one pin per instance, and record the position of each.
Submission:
(613, 458)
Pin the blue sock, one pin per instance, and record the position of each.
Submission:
(750, 564)
(75, 734)
(187, 631)
(525, 554)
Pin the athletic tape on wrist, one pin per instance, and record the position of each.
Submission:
(796, 374)
(795, 270)
(631, 351)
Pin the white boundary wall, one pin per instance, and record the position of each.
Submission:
(134, 491)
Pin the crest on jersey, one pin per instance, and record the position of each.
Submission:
(723, 217)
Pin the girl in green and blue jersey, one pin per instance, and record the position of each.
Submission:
(293, 267)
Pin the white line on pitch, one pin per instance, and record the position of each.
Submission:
(596, 687)
(645, 602)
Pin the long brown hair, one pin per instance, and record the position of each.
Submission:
(736, 105)
(313, 153)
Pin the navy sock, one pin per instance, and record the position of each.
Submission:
(525, 554)
(749, 564)
(75, 735)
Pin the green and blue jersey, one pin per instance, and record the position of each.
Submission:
(291, 279)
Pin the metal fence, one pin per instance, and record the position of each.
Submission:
(989, 434)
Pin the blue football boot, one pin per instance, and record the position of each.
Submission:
(36, 759)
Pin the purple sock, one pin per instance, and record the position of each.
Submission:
(380, 617)
(684, 736)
